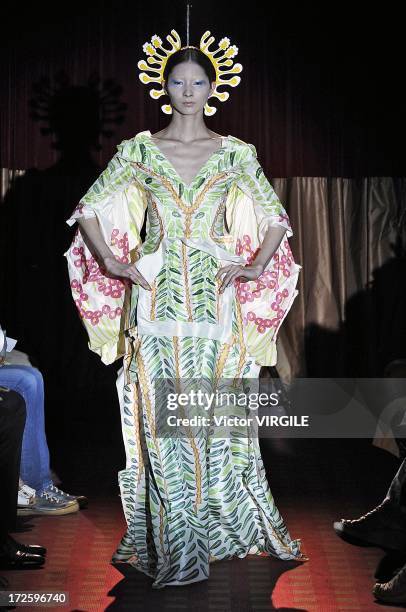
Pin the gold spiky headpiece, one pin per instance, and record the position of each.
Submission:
(221, 59)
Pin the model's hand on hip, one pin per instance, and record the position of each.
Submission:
(117, 268)
(243, 273)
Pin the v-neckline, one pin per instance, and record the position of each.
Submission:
(172, 167)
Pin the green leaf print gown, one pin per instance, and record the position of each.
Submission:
(191, 501)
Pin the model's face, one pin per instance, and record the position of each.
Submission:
(188, 87)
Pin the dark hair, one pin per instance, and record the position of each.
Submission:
(190, 55)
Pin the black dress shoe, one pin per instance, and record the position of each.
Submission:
(389, 566)
(393, 591)
(35, 549)
(82, 501)
(4, 583)
(13, 555)
(383, 526)
(20, 558)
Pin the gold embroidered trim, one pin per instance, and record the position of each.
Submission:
(243, 350)
(190, 436)
(219, 295)
(222, 360)
(134, 345)
(177, 369)
(145, 393)
(153, 301)
(165, 182)
(126, 362)
(161, 530)
(186, 281)
(136, 416)
(161, 225)
(188, 211)
(148, 407)
(221, 240)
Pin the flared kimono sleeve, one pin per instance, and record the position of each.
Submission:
(252, 207)
(118, 201)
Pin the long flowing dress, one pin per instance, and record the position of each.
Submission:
(189, 500)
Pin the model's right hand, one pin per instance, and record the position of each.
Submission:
(116, 268)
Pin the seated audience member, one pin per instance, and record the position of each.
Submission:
(12, 420)
(35, 474)
(385, 525)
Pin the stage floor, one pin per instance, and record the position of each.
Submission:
(314, 482)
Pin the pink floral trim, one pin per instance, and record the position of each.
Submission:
(246, 245)
(263, 323)
(90, 272)
(284, 217)
(78, 210)
(281, 264)
(93, 315)
(269, 278)
(285, 262)
(120, 243)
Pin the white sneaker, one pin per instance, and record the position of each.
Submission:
(48, 504)
(26, 495)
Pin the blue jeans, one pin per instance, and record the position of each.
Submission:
(28, 382)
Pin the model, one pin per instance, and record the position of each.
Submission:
(202, 297)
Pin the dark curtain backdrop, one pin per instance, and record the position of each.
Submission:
(320, 99)
(350, 236)
(320, 92)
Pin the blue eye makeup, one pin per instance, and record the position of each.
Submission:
(178, 82)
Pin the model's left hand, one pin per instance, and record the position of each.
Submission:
(240, 272)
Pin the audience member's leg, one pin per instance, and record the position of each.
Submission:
(28, 381)
(35, 466)
(383, 526)
(44, 476)
(396, 494)
(12, 420)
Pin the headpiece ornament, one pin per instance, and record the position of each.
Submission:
(221, 58)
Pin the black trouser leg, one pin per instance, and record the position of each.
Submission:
(397, 491)
(12, 421)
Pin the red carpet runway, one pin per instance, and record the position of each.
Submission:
(314, 483)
